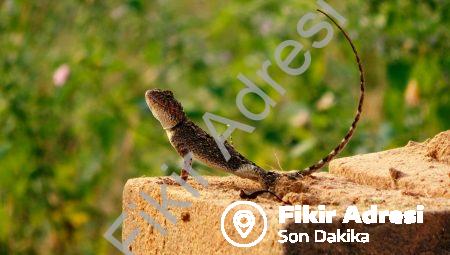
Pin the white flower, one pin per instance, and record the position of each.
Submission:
(325, 102)
(300, 119)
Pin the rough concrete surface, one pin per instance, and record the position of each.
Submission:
(200, 232)
(398, 179)
(418, 168)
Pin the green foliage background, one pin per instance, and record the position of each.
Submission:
(66, 151)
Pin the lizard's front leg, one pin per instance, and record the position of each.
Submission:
(185, 170)
(187, 165)
(187, 155)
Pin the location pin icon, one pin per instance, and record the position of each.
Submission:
(244, 221)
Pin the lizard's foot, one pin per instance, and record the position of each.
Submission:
(269, 179)
(299, 175)
(184, 174)
(295, 175)
(255, 194)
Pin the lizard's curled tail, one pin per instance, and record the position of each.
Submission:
(348, 136)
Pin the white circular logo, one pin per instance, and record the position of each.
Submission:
(244, 222)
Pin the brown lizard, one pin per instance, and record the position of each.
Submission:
(186, 137)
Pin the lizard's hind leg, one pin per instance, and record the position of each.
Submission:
(268, 181)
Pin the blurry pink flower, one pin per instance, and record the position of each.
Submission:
(265, 27)
(118, 12)
(60, 75)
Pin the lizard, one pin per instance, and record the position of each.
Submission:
(186, 137)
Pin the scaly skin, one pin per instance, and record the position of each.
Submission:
(186, 137)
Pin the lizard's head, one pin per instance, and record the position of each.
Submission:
(166, 109)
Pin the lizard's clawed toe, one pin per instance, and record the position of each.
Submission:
(252, 195)
(248, 195)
